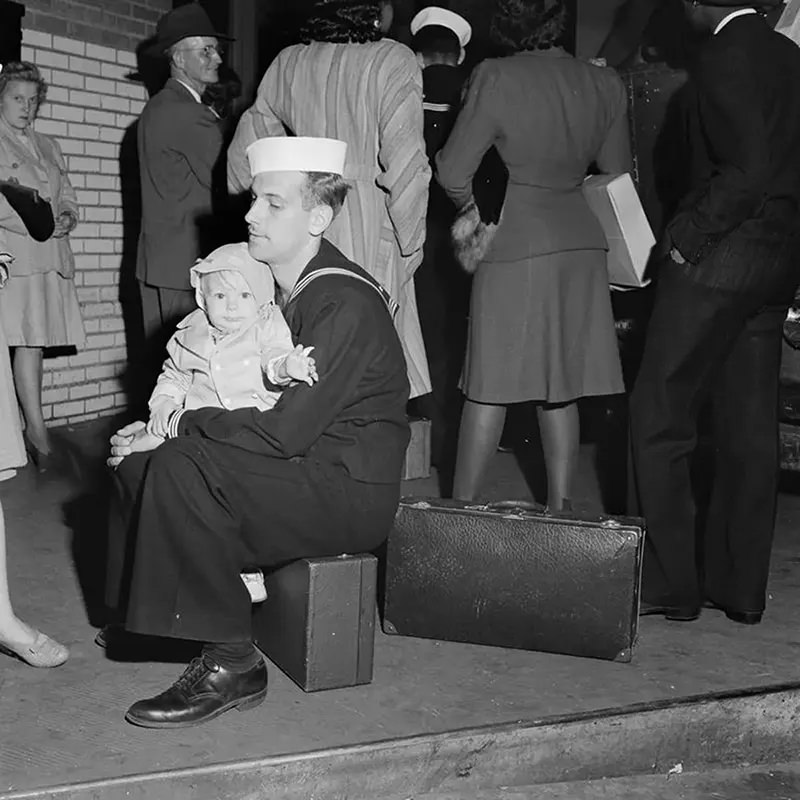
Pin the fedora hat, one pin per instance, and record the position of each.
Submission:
(180, 23)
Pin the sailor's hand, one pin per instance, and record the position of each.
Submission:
(133, 438)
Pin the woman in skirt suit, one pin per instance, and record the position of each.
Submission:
(541, 327)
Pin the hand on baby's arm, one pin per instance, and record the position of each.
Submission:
(299, 366)
(159, 416)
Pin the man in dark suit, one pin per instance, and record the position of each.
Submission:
(179, 142)
(714, 334)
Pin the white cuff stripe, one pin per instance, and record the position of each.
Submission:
(173, 423)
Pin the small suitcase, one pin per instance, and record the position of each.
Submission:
(318, 621)
(513, 576)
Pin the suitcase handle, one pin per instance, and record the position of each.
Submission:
(517, 505)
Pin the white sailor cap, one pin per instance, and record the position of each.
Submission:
(296, 154)
(434, 15)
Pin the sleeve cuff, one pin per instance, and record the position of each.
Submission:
(271, 371)
(173, 423)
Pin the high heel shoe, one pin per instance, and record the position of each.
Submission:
(44, 652)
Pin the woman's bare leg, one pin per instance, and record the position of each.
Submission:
(559, 426)
(11, 627)
(30, 645)
(478, 437)
(28, 368)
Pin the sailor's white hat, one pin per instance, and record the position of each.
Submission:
(434, 15)
(296, 154)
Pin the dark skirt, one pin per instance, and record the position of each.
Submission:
(542, 329)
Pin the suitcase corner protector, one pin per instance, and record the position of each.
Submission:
(624, 656)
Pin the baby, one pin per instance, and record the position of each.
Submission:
(236, 349)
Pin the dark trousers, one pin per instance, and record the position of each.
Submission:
(162, 310)
(442, 290)
(705, 345)
(190, 515)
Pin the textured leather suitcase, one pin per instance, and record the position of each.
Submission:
(514, 576)
(318, 621)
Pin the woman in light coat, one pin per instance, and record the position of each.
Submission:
(39, 306)
(16, 638)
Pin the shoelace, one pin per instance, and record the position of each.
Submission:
(196, 669)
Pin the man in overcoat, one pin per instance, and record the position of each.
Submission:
(715, 331)
(179, 141)
(317, 475)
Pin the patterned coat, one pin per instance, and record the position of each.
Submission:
(369, 95)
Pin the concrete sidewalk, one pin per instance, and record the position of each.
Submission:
(65, 726)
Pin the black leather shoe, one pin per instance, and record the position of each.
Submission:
(109, 635)
(673, 613)
(742, 617)
(203, 692)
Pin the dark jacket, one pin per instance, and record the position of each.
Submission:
(550, 116)
(179, 142)
(740, 223)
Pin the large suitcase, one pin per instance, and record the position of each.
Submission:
(318, 621)
(514, 576)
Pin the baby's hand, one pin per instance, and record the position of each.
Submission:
(300, 366)
(159, 417)
(5, 261)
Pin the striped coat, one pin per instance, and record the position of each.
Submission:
(369, 95)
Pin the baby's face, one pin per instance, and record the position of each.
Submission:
(230, 305)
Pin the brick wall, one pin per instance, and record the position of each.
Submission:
(120, 24)
(86, 51)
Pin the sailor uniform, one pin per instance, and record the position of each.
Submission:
(317, 475)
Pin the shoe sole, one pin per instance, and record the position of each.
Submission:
(681, 617)
(242, 704)
(672, 614)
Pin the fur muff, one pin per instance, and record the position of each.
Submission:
(471, 237)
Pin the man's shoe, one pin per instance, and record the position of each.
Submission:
(109, 635)
(203, 692)
(742, 617)
(673, 613)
